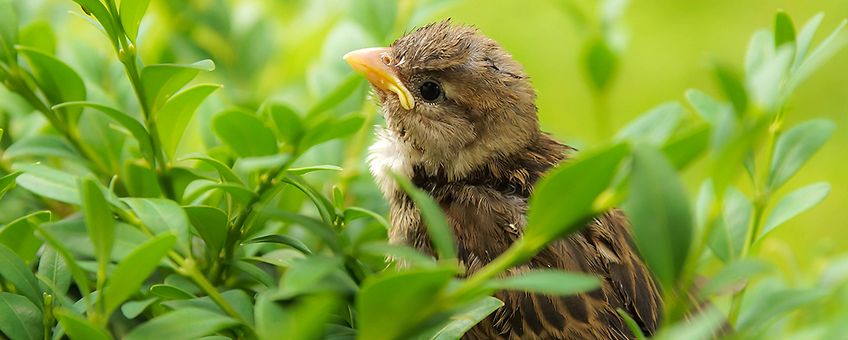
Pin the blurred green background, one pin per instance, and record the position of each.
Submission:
(291, 51)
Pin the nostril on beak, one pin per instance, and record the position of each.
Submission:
(387, 59)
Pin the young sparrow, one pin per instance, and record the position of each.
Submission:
(461, 125)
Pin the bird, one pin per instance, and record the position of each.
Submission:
(461, 124)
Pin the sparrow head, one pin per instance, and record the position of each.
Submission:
(451, 95)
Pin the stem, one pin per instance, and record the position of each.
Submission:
(762, 196)
(128, 58)
(16, 83)
(237, 228)
(48, 320)
(679, 306)
(189, 269)
(186, 267)
(520, 251)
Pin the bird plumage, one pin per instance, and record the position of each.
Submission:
(478, 151)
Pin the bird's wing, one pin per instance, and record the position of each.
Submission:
(605, 249)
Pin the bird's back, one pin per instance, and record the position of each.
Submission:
(487, 210)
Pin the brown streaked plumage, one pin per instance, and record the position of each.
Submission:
(477, 149)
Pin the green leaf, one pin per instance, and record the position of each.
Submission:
(181, 178)
(55, 270)
(331, 129)
(728, 237)
(131, 13)
(548, 218)
(600, 63)
(169, 292)
(40, 146)
(653, 127)
(631, 324)
(8, 31)
(758, 313)
(354, 213)
(185, 323)
(7, 182)
(308, 169)
(434, 218)
(826, 49)
(389, 304)
(20, 318)
(78, 327)
(59, 82)
(211, 225)
(733, 274)
(38, 35)
(127, 277)
(176, 113)
(258, 275)
(288, 123)
(686, 148)
(338, 198)
(237, 298)
(548, 282)
(284, 240)
(132, 309)
(255, 164)
(18, 235)
(51, 183)
(239, 193)
(784, 30)
(805, 38)
(313, 275)
(133, 126)
(718, 114)
(14, 271)
(161, 81)
(285, 320)
(80, 278)
(324, 206)
(245, 134)
(795, 147)
(141, 180)
(764, 83)
(659, 211)
(96, 9)
(732, 155)
(99, 220)
(227, 174)
(103, 141)
(708, 107)
(161, 216)
(733, 88)
(398, 252)
(340, 93)
(794, 204)
(73, 234)
(465, 318)
(315, 226)
(705, 325)
(760, 49)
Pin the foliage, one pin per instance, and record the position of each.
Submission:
(153, 205)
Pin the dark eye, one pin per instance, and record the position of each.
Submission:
(430, 91)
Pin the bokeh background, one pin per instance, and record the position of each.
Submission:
(290, 51)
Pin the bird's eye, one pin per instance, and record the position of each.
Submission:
(430, 91)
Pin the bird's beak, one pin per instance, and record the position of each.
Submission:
(373, 63)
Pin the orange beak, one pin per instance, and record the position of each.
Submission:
(373, 63)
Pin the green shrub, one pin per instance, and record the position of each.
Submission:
(124, 220)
